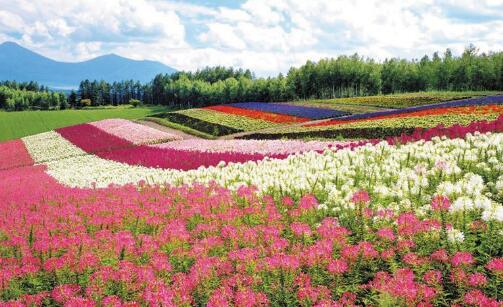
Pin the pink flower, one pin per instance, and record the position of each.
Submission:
(360, 196)
(300, 229)
(287, 201)
(246, 298)
(440, 203)
(477, 280)
(474, 297)
(495, 265)
(412, 259)
(440, 255)
(459, 276)
(388, 254)
(312, 294)
(386, 233)
(433, 277)
(462, 258)
(308, 202)
(337, 266)
(63, 293)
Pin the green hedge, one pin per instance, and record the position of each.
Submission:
(197, 124)
(357, 133)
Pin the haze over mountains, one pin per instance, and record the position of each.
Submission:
(21, 64)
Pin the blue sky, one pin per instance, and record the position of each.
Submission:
(267, 36)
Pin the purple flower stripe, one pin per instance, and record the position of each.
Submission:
(455, 103)
(107, 146)
(300, 111)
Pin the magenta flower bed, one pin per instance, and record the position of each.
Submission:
(91, 139)
(14, 154)
(95, 141)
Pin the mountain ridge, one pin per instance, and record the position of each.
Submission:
(21, 64)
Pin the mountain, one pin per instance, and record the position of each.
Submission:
(21, 64)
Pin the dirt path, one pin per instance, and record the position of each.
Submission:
(179, 133)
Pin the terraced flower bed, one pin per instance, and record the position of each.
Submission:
(389, 124)
(282, 108)
(213, 129)
(267, 116)
(409, 99)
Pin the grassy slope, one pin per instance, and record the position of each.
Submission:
(14, 125)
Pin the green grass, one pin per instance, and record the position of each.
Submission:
(15, 125)
(167, 123)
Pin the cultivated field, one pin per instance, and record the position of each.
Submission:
(396, 203)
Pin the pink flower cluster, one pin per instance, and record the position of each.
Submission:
(133, 132)
(206, 245)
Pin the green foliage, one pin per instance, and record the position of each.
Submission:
(230, 120)
(188, 130)
(85, 102)
(198, 124)
(135, 102)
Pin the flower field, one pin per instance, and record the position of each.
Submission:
(387, 123)
(121, 214)
(241, 117)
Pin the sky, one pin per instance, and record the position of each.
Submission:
(266, 36)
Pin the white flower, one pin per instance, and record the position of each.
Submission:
(455, 236)
(493, 213)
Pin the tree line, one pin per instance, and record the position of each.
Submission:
(344, 76)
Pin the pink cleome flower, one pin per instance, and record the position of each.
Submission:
(360, 196)
(337, 267)
(440, 203)
(462, 258)
(495, 265)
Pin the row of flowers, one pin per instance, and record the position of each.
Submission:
(271, 117)
(207, 245)
(483, 110)
(239, 122)
(376, 128)
(478, 101)
(104, 145)
(133, 132)
(293, 110)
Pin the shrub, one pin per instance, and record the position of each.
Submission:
(85, 102)
(135, 102)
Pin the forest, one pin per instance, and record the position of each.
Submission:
(344, 76)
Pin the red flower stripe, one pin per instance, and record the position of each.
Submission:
(267, 116)
(486, 109)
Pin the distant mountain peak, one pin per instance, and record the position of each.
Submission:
(21, 64)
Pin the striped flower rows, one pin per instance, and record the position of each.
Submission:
(293, 110)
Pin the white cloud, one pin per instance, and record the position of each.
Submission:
(267, 36)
